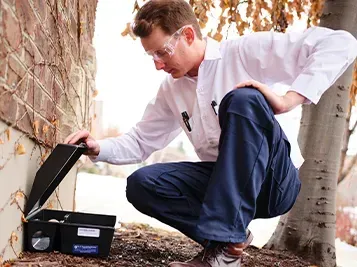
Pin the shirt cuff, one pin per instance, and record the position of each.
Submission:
(105, 151)
(310, 86)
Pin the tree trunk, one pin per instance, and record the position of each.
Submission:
(308, 229)
(346, 140)
(345, 170)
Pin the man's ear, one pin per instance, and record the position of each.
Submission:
(189, 35)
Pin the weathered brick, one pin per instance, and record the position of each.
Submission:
(26, 15)
(8, 106)
(41, 41)
(34, 95)
(45, 76)
(12, 29)
(39, 71)
(60, 137)
(65, 102)
(48, 108)
(40, 6)
(73, 27)
(16, 66)
(10, 2)
(3, 64)
(32, 55)
(49, 79)
(73, 5)
(12, 78)
(24, 122)
(67, 61)
(51, 51)
(21, 90)
(58, 116)
(67, 129)
(57, 92)
(3, 61)
(52, 26)
(74, 49)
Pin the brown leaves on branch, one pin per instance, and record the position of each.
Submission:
(255, 15)
(20, 149)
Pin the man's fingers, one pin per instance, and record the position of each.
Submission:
(241, 85)
(69, 138)
(250, 83)
(75, 137)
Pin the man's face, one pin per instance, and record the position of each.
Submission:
(170, 53)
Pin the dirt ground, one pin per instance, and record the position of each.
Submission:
(137, 245)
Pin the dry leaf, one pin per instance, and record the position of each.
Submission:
(50, 205)
(7, 131)
(14, 237)
(45, 128)
(54, 122)
(43, 157)
(23, 219)
(1, 141)
(95, 93)
(19, 195)
(36, 126)
(20, 149)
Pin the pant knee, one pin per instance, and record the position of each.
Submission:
(247, 102)
(135, 188)
(242, 97)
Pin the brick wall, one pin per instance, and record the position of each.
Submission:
(47, 70)
(45, 56)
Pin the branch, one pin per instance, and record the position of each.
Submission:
(349, 168)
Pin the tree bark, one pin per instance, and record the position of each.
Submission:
(308, 230)
(345, 170)
(346, 140)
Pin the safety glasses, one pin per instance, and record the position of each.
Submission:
(168, 49)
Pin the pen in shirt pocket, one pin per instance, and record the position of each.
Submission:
(214, 105)
(186, 119)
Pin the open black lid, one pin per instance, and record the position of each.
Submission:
(51, 174)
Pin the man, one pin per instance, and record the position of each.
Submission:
(220, 95)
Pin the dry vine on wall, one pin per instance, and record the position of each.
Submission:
(47, 74)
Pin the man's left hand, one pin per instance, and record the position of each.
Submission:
(279, 104)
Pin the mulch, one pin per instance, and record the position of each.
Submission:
(137, 245)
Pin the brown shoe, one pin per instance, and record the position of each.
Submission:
(223, 255)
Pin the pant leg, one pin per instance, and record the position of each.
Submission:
(171, 192)
(282, 184)
(248, 145)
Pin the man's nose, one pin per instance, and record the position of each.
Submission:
(159, 65)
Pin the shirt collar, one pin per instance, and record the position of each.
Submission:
(212, 49)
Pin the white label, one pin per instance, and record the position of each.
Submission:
(90, 232)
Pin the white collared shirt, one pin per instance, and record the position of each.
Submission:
(308, 63)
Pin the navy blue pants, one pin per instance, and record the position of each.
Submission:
(253, 177)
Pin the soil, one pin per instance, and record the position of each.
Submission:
(137, 245)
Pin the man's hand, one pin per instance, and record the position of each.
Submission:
(84, 136)
(279, 104)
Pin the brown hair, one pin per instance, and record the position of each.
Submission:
(169, 15)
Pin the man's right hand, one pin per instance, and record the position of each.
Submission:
(85, 137)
